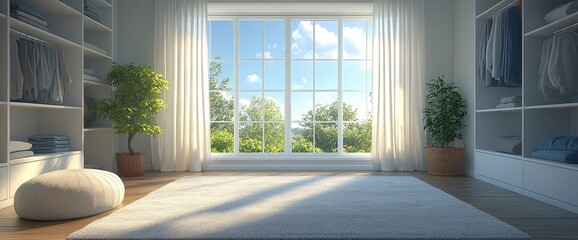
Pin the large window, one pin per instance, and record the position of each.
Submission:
(290, 85)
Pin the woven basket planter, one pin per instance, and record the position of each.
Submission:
(445, 161)
(130, 165)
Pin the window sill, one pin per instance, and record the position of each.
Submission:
(292, 162)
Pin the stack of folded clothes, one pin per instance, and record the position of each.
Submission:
(95, 48)
(19, 149)
(92, 11)
(509, 144)
(510, 102)
(561, 11)
(49, 143)
(29, 16)
(89, 75)
(559, 149)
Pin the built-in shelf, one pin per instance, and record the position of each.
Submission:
(40, 34)
(89, 53)
(41, 106)
(42, 157)
(500, 154)
(92, 25)
(551, 28)
(51, 7)
(550, 106)
(497, 8)
(96, 129)
(96, 84)
(554, 164)
(101, 3)
(514, 109)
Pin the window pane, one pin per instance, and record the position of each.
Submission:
(354, 106)
(357, 137)
(250, 106)
(326, 137)
(221, 39)
(274, 137)
(326, 106)
(274, 40)
(302, 75)
(222, 105)
(302, 106)
(221, 75)
(274, 106)
(354, 75)
(369, 39)
(222, 140)
(251, 39)
(302, 39)
(274, 77)
(354, 39)
(251, 137)
(302, 140)
(250, 75)
(326, 75)
(326, 37)
(369, 75)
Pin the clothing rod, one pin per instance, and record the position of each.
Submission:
(505, 7)
(31, 37)
(565, 28)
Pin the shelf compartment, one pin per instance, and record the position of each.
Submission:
(542, 123)
(551, 28)
(50, 7)
(42, 106)
(491, 126)
(92, 25)
(89, 53)
(41, 34)
(497, 8)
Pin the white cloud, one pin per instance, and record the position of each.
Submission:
(267, 55)
(297, 86)
(226, 95)
(303, 79)
(253, 78)
(275, 45)
(244, 102)
(354, 40)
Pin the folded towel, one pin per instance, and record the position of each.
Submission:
(508, 105)
(47, 137)
(51, 144)
(92, 78)
(89, 6)
(31, 23)
(26, 9)
(89, 71)
(51, 150)
(509, 144)
(558, 156)
(28, 16)
(95, 48)
(565, 143)
(21, 154)
(561, 12)
(512, 99)
(93, 16)
(15, 146)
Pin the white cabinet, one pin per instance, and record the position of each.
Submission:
(68, 29)
(535, 119)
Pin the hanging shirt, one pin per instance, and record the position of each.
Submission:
(16, 78)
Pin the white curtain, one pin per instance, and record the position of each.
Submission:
(398, 85)
(181, 55)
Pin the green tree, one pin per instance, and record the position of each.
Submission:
(222, 109)
(252, 134)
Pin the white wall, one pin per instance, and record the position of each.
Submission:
(464, 68)
(134, 42)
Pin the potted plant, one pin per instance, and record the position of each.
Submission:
(132, 107)
(443, 117)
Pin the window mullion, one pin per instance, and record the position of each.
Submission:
(339, 86)
(314, 89)
(236, 83)
(288, 127)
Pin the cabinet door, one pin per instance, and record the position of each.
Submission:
(551, 181)
(500, 168)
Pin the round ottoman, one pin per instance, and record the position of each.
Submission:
(66, 194)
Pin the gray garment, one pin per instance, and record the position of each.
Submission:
(511, 63)
(28, 64)
(494, 59)
(544, 84)
(16, 78)
(483, 74)
(562, 67)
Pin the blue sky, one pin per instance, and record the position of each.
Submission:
(314, 53)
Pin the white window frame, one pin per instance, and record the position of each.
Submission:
(314, 161)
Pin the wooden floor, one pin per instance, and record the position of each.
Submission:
(539, 220)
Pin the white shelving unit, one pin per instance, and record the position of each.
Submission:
(536, 119)
(69, 28)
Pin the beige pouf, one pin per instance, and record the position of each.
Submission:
(66, 194)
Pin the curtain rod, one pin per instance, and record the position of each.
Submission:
(30, 37)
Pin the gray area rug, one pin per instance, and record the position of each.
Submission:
(298, 207)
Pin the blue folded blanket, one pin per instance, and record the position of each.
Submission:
(48, 137)
(565, 143)
(557, 155)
